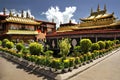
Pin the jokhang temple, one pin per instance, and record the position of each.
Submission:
(100, 25)
(23, 28)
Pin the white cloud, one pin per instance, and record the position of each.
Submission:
(15, 12)
(60, 17)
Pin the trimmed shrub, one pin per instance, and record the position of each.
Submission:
(19, 46)
(48, 53)
(85, 57)
(85, 45)
(9, 45)
(82, 58)
(89, 56)
(36, 48)
(95, 46)
(101, 44)
(25, 51)
(4, 42)
(64, 46)
(109, 44)
(76, 50)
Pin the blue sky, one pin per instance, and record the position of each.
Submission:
(83, 7)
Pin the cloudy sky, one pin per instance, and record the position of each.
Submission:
(60, 10)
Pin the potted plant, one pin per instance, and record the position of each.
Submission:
(77, 62)
(53, 65)
(72, 63)
(85, 58)
(66, 65)
(82, 59)
(59, 65)
(89, 57)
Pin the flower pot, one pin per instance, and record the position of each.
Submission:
(53, 69)
(66, 69)
(80, 65)
(71, 68)
(83, 63)
(58, 71)
(77, 66)
(91, 60)
(47, 68)
(88, 62)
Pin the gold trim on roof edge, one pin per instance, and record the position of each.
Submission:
(22, 20)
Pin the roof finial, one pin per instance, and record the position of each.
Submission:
(22, 13)
(52, 20)
(105, 7)
(4, 11)
(27, 15)
(70, 21)
(10, 14)
(91, 10)
(98, 9)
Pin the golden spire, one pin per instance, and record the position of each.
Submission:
(27, 15)
(4, 11)
(70, 21)
(91, 10)
(98, 9)
(10, 14)
(52, 20)
(22, 13)
(105, 7)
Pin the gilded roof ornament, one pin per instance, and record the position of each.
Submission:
(105, 7)
(27, 15)
(4, 11)
(22, 13)
(98, 9)
(91, 10)
(10, 14)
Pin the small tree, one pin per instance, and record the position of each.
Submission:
(4, 42)
(108, 44)
(9, 45)
(95, 46)
(36, 48)
(64, 46)
(19, 46)
(101, 44)
(85, 45)
(76, 51)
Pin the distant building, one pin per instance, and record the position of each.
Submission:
(98, 26)
(23, 28)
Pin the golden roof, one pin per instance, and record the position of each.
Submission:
(26, 32)
(21, 20)
(78, 27)
(99, 14)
